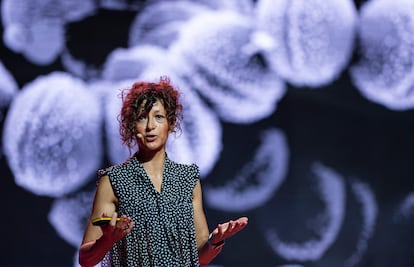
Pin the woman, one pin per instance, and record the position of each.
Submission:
(161, 222)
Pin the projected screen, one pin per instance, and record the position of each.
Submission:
(299, 114)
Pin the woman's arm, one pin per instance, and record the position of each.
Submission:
(210, 245)
(200, 221)
(97, 240)
(217, 237)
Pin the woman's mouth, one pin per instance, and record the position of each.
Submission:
(150, 138)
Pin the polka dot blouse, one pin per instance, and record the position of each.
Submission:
(164, 232)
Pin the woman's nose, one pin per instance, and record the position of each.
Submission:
(150, 124)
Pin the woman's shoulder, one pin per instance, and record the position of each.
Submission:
(116, 168)
(191, 169)
(182, 165)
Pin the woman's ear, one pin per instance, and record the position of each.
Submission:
(171, 128)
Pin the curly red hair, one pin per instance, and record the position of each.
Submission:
(149, 92)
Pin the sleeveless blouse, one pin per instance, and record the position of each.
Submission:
(164, 231)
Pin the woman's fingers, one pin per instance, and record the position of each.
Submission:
(125, 223)
(234, 227)
(119, 227)
(113, 219)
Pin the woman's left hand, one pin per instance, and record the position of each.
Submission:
(228, 229)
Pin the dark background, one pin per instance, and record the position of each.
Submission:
(333, 124)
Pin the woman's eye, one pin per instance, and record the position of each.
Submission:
(141, 118)
(159, 117)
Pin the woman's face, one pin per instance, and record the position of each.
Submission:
(152, 128)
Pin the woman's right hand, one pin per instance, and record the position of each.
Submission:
(116, 230)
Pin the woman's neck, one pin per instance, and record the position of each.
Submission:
(154, 166)
(151, 158)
